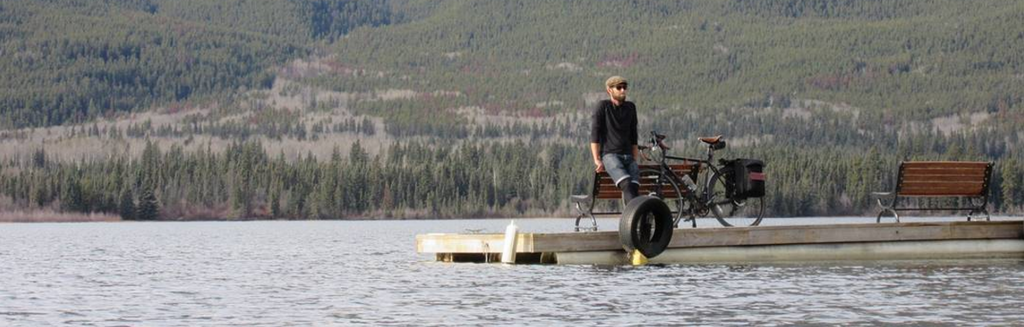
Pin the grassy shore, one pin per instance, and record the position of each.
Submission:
(50, 216)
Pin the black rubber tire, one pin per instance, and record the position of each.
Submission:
(680, 205)
(646, 225)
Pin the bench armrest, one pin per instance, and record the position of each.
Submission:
(882, 194)
(579, 198)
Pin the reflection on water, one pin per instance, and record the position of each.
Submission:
(327, 273)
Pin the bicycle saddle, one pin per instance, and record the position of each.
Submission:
(711, 140)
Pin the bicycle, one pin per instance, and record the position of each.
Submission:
(718, 193)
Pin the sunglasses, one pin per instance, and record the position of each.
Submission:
(621, 87)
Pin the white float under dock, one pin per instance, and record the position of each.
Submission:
(888, 241)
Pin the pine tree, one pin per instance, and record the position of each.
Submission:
(149, 209)
(39, 158)
(127, 206)
(275, 201)
(1009, 188)
(71, 195)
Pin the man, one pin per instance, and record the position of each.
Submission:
(613, 138)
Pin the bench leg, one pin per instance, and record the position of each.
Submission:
(593, 223)
(581, 213)
(884, 210)
(979, 207)
(887, 208)
(970, 214)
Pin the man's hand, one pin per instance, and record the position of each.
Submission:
(595, 151)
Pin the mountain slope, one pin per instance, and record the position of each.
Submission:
(461, 108)
(72, 60)
(894, 61)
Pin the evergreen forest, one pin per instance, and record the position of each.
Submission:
(360, 109)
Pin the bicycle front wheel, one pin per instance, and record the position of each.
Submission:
(655, 184)
(729, 211)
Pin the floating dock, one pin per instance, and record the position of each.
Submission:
(886, 241)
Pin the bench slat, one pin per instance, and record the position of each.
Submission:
(937, 183)
(605, 180)
(942, 172)
(617, 195)
(942, 178)
(963, 190)
(945, 164)
(916, 167)
(953, 186)
(648, 187)
(972, 190)
(608, 189)
(935, 193)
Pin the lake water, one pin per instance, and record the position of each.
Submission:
(278, 273)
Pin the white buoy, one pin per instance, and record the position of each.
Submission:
(508, 254)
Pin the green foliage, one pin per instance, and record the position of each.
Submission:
(71, 195)
(126, 206)
(891, 61)
(149, 209)
(428, 180)
(832, 94)
(71, 60)
(1010, 178)
(308, 20)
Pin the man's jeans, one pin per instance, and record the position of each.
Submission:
(620, 167)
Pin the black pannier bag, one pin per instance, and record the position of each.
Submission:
(748, 176)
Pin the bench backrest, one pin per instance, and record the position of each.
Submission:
(943, 178)
(606, 188)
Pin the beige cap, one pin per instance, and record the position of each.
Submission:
(614, 81)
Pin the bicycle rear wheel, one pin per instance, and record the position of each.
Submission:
(732, 212)
(656, 184)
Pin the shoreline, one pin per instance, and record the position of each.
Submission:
(56, 217)
(47, 216)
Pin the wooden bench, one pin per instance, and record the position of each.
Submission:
(603, 188)
(939, 179)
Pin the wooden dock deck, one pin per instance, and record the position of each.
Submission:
(928, 240)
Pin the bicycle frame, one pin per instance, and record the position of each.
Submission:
(709, 193)
(703, 194)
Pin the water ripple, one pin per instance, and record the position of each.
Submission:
(343, 273)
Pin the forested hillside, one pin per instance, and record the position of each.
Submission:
(416, 108)
(75, 60)
(892, 62)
